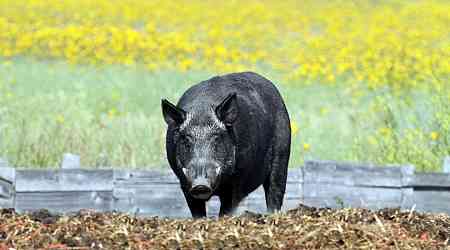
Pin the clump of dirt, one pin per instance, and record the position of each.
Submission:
(300, 228)
(44, 216)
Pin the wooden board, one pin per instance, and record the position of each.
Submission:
(150, 199)
(64, 180)
(157, 192)
(256, 201)
(64, 201)
(148, 193)
(64, 190)
(336, 196)
(431, 180)
(7, 186)
(432, 201)
(138, 176)
(352, 175)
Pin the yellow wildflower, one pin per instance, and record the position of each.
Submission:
(60, 119)
(324, 111)
(385, 131)
(434, 135)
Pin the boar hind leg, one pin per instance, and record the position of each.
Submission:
(275, 187)
(275, 183)
(197, 207)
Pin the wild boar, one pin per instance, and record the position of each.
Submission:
(227, 136)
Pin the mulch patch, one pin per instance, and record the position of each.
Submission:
(300, 228)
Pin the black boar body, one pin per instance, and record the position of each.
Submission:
(226, 137)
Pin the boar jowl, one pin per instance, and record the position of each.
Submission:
(226, 137)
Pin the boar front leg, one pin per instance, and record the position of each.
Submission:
(226, 204)
(197, 207)
(230, 199)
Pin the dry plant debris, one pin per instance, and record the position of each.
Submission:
(300, 228)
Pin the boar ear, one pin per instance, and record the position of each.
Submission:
(172, 114)
(227, 110)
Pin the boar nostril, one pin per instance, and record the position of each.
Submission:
(201, 191)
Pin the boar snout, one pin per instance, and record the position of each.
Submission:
(201, 189)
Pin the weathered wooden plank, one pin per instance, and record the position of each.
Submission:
(408, 173)
(157, 192)
(407, 198)
(430, 180)
(256, 201)
(407, 191)
(64, 180)
(145, 176)
(7, 187)
(295, 175)
(432, 201)
(150, 199)
(352, 174)
(7, 181)
(332, 195)
(8, 174)
(167, 176)
(148, 193)
(293, 189)
(65, 201)
(156, 199)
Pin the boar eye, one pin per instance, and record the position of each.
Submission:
(216, 137)
(186, 138)
(185, 143)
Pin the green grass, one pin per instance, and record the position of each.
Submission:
(111, 116)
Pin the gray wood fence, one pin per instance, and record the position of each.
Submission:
(157, 193)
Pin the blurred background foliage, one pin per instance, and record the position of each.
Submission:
(363, 80)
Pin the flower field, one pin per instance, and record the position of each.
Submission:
(383, 67)
(382, 42)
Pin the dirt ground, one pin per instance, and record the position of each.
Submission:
(300, 228)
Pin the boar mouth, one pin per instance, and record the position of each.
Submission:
(202, 192)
